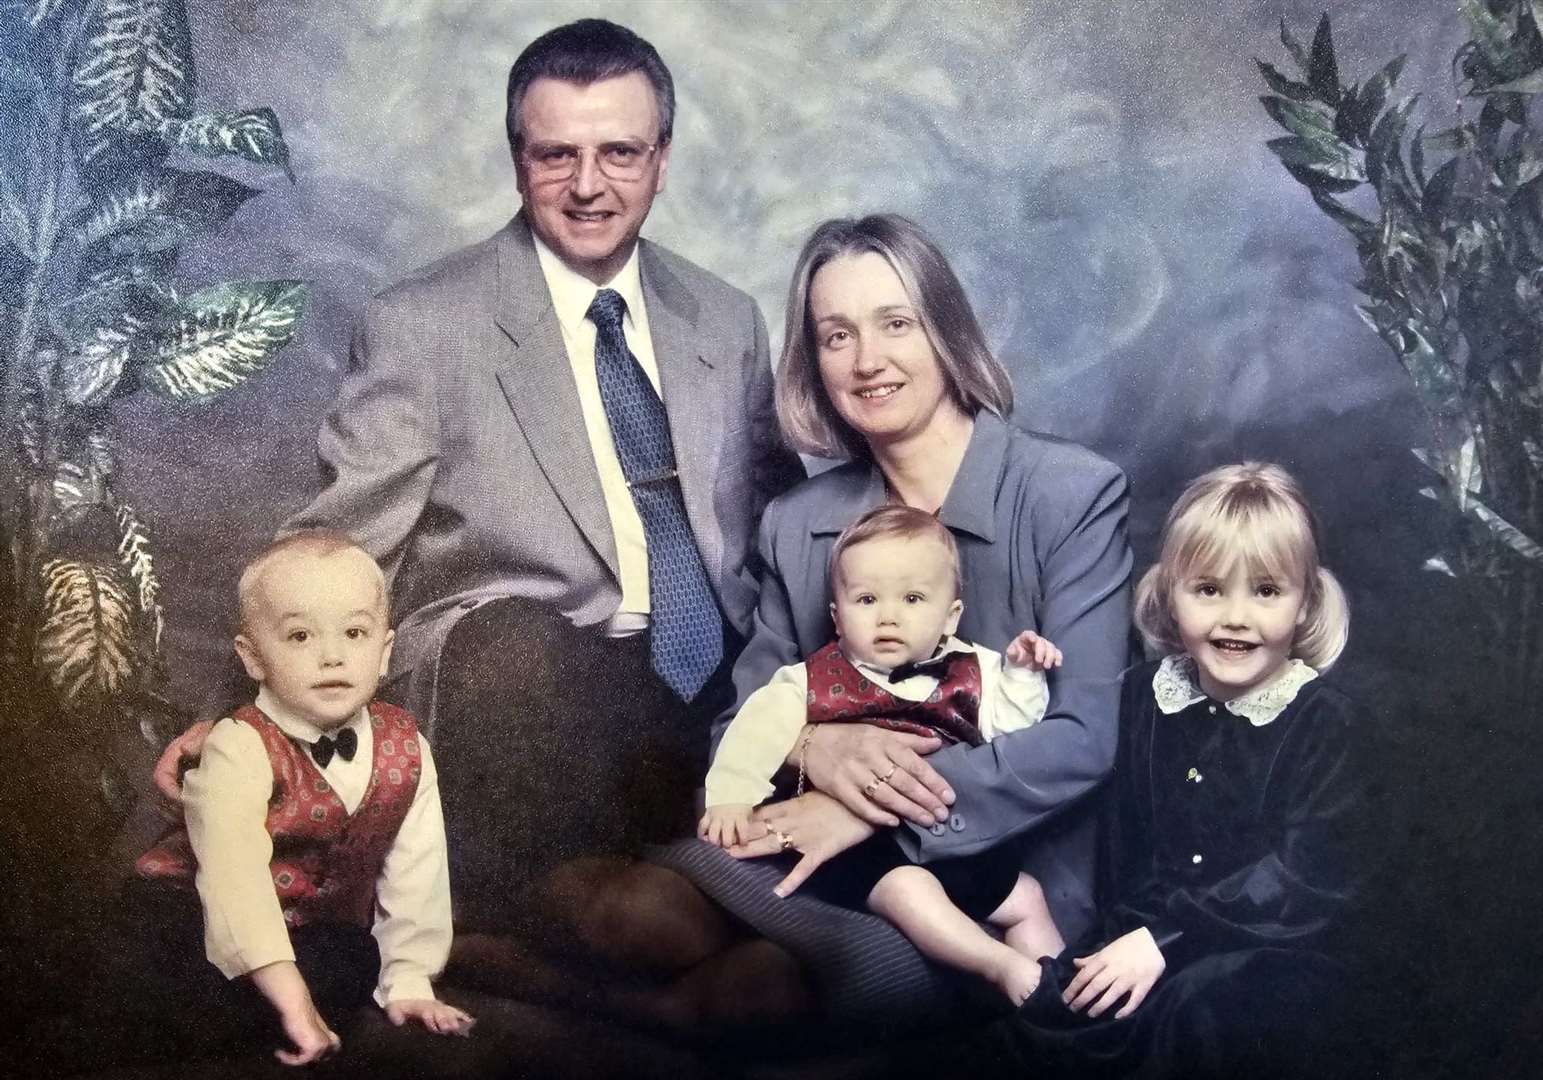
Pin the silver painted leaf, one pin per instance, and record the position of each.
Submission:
(1505, 532)
(85, 644)
(37, 12)
(1438, 565)
(158, 211)
(134, 554)
(1527, 84)
(254, 136)
(226, 334)
(136, 70)
(90, 374)
(73, 487)
(1533, 451)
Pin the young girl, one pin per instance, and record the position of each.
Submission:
(1229, 862)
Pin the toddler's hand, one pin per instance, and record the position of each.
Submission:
(728, 825)
(439, 1017)
(1036, 653)
(312, 1038)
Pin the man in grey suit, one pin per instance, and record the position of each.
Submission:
(570, 561)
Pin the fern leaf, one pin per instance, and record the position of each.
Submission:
(225, 334)
(85, 644)
(136, 70)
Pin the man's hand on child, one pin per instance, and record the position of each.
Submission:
(729, 824)
(1127, 965)
(440, 1017)
(1030, 650)
(169, 767)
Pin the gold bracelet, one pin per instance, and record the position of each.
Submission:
(803, 748)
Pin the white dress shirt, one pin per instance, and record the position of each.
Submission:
(764, 731)
(572, 294)
(225, 801)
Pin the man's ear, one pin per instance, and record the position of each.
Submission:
(385, 654)
(956, 609)
(664, 167)
(251, 659)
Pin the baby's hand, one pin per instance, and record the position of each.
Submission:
(729, 824)
(439, 1017)
(1036, 653)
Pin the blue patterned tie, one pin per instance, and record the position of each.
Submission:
(686, 631)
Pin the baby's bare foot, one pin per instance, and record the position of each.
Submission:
(1017, 977)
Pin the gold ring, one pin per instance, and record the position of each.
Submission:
(885, 778)
(871, 788)
(784, 841)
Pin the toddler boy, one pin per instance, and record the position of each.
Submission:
(313, 821)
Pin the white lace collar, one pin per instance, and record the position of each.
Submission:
(1177, 687)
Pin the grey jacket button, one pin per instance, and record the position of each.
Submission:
(936, 828)
(956, 822)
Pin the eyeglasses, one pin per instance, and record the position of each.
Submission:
(560, 161)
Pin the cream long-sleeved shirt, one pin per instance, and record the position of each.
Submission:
(225, 801)
(764, 731)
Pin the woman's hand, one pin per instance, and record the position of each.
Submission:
(879, 775)
(1127, 965)
(813, 824)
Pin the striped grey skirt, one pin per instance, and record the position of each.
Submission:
(863, 968)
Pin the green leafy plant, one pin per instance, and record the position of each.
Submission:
(99, 189)
(1452, 262)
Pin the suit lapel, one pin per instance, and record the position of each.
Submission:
(692, 378)
(537, 380)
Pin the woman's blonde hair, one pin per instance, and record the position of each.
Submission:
(975, 379)
(1255, 512)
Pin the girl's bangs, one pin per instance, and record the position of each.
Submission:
(1269, 545)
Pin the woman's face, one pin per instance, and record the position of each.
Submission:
(876, 362)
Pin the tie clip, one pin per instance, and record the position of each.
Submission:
(653, 478)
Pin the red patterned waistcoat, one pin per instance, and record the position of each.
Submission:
(839, 693)
(325, 860)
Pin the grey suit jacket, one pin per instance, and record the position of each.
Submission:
(457, 455)
(1040, 525)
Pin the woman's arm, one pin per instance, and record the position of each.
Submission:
(1018, 781)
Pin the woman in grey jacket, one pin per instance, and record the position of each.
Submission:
(885, 364)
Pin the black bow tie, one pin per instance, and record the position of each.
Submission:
(936, 666)
(346, 742)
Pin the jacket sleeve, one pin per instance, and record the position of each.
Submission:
(773, 641)
(1018, 781)
(378, 446)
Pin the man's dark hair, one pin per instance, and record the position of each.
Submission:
(586, 52)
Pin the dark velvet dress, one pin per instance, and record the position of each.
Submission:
(1237, 845)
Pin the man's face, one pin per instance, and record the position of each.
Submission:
(590, 220)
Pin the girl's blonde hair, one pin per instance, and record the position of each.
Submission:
(1255, 512)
